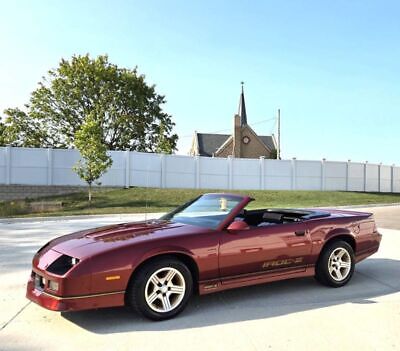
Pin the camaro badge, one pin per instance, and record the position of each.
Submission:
(284, 262)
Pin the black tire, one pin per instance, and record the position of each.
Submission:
(140, 281)
(332, 277)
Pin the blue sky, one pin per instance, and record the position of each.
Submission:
(332, 67)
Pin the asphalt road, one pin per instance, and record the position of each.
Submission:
(290, 315)
(385, 217)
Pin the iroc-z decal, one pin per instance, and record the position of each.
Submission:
(281, 263)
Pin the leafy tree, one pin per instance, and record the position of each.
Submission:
(274, 154)
(94, 159)
(2, 130)
(20, 130)
(163, 141)
(127, 109)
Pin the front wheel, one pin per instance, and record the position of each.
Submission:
(335, 266)
(160, 289)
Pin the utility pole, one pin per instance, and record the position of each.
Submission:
(278, 152)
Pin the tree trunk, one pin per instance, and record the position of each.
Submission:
(90, 193)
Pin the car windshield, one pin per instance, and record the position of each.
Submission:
(206, 211)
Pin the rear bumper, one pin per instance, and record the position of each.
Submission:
(73, 303)
(375, 241)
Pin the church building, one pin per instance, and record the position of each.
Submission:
(242, 143)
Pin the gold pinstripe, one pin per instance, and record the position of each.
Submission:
(82, 296)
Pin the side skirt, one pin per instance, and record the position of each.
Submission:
(210, 286)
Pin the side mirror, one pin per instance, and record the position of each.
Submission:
(238, 226)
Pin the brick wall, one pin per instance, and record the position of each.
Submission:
(16, 192)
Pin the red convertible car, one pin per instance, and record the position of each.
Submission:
(207, 245)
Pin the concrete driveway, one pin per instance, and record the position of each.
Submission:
(289, 315)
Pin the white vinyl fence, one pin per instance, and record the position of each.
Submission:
(30, 166)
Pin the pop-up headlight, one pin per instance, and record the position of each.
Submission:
(62, 264)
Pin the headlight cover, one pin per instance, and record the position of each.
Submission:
(62, 264)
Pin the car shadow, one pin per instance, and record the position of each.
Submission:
(373, 278)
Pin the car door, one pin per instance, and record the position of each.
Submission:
(264, 250)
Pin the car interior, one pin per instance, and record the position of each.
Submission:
(265, 217)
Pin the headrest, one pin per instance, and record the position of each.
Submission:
(272, 217)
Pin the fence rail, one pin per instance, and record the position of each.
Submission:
(36, 166)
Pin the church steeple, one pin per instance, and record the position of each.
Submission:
(242, 109)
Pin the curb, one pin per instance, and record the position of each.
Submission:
(150, 215)
(368, 206)
(76, 217)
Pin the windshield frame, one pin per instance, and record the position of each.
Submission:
(243, 201)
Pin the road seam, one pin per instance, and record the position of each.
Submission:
(15, 316)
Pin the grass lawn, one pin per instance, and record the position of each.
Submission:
(140, 200)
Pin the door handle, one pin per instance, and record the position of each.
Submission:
(300, 232)
(254, 249)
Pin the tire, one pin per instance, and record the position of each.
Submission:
(335, 266)
(160, 289)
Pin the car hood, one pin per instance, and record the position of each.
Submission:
(89, 242)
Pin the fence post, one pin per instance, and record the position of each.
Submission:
(347, 174)
(127, 169)
(392, 178)
(323, 180)
(8, 164)
(365, 175)
(262, 172)
(294, 173)
(49, 166)
(230, 171)
(163, 171)
(197, 171)
(379, 177)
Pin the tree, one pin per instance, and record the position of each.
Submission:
(163, 143)
(94, 159)
(20, 130)
(128, 110)
(274, 154)
(2, 131)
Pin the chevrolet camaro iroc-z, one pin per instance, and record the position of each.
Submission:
(209, 244)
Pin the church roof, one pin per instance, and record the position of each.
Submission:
(210, 143)
(268, 141)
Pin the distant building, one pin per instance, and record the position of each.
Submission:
(243, 143)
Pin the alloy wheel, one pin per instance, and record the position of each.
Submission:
(339, 264)
(165, 289)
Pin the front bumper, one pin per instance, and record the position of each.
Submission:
(44, 299)
(53, 302)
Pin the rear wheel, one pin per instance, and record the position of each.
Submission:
(335, 266)
(160, 289)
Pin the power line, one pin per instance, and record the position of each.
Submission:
(229, 129)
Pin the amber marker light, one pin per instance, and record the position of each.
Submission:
(113, 277)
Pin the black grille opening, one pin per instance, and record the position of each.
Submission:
(61, 265)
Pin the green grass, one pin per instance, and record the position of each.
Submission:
(139, 200)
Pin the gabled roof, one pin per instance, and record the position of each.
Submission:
(268, 140)
(210, 143)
